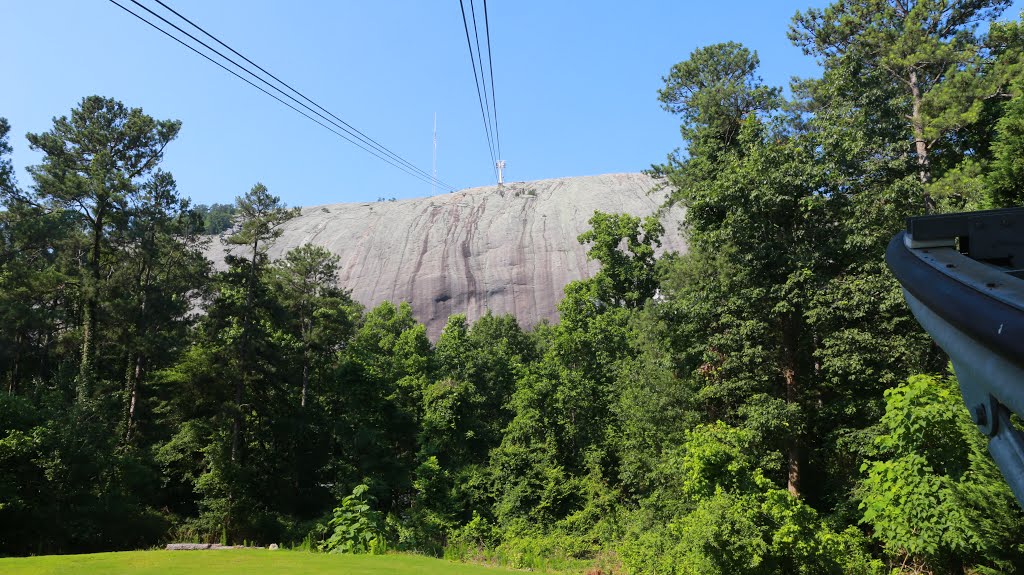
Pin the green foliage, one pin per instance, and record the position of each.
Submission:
(217, 218)
(386, 367)
(466, 409)
(96, 165)
(936, 80)
(355, 527)
(715, 512)
(932, 494)
(260, 216)
(714, 90)
(472, 539)
(627, 276)
(322, 315)
(1007, 168)
(7, 179)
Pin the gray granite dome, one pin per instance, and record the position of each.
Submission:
(510, 249)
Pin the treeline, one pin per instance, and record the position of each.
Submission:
(762, 404)
(217, 218)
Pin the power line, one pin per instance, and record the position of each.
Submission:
(361, 135)
(416, 173)
(490, 66)
(479, 96)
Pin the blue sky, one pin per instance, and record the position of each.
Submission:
(575, 85)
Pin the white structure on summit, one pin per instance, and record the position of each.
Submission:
(500, 164)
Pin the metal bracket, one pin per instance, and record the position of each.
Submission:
(1007, 449)
(986, 415)
(995, 235)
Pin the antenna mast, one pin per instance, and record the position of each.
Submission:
(434, 192)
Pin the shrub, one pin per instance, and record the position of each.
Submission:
(716, 513)
(355, 527)
(932, 495)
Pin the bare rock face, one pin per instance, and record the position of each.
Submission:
(509, 250)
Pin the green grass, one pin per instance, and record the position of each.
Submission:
(248, 562)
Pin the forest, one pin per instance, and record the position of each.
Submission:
(764, 403)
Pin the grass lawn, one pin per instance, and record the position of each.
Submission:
(248, 562)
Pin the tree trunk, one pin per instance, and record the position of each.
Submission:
(305, 380)
(789, 375)
(13, 384)
(236, 424)
(48, 337)
(307, 334)
(87, 368)
(133, 398)
(793, 450)
(135, 372)
(920, 145)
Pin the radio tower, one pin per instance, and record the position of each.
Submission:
(434, 182)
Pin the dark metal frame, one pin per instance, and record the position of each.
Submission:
(961, 276)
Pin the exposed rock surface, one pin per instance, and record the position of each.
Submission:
(509, 249)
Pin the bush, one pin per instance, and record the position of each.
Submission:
(720, 515)
(355, 528)
(932, 495)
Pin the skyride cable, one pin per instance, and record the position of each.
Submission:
(426, 179)
(483, 77)
(490, 67)
(479, 97)
(368, 140)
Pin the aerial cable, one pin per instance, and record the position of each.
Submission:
(490, 66)
(479, 97)
(422, 177)
(361, 135)
(421, 173)
(477, 63)
(483, 77)
(247, 81)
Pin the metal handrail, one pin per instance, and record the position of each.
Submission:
(961, 279)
